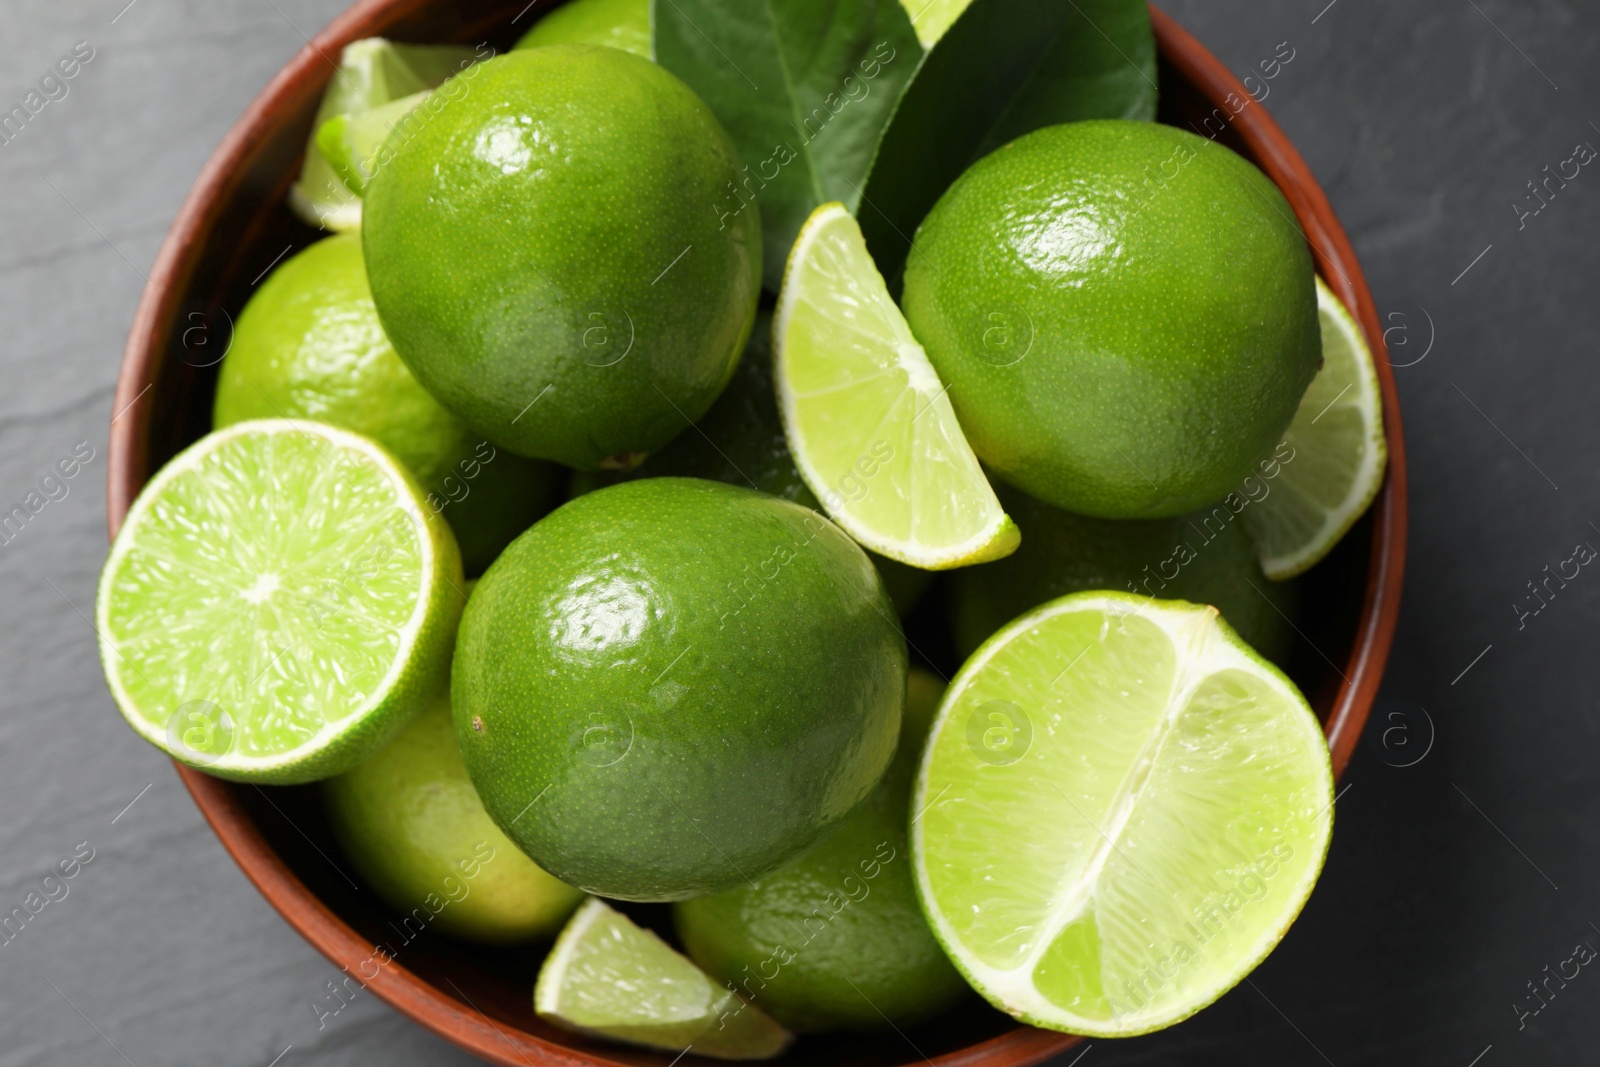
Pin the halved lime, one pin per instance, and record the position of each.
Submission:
(866, 417)
(353, 144)
(372, 72)
(606, 976)
(1335, 454)
(1121, 810)
(279, 602)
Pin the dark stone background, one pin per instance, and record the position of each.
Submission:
(1452, 883)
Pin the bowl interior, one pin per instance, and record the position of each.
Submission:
(236, 226)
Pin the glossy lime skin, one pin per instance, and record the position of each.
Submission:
(1204, 557)
(829, 941)
(309, 345)
(1124, 314)
(670, 686)
(740, 441)
(412, 824)
(549, 238)
(623, 24)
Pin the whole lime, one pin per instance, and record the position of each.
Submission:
(1124, 314)
(836, 940)
(309, 345)
(1205, 557)
(671, 686)
(621, 24)
(740, 441)
(546, 255)
(412, 824)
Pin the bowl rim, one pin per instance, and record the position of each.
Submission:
(457, 1020)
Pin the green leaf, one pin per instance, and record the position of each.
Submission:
(1003, 69)
(804, 87)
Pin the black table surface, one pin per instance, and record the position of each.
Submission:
(1461, 873)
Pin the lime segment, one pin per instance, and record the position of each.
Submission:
(351, 143)
(1336, 453)
(372, 72)
(279, 601)
(608, 977)
(866, 417)
(1122, 809)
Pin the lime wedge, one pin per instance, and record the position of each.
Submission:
(606, 976)
(279, 602)
(372, 72)
(869, 424)
(1331, 464)
(1120, 811)
(930, 18)
(351, 143)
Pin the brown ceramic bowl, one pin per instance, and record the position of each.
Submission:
(234, 225)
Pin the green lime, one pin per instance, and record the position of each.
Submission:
(623, 24)
(1204, 557)
(672, 686)
(412, 824)
(548, 239)
(740, 441)
(1124, 313)
(1123, 810)
(372, 72)
(866, 417)
(836, 940)
(608, 977)
(309, 345)
(279, 601)
(1332, 458)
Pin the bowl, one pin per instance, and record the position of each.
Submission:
(235, 226)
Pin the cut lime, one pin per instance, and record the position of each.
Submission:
(930, 18)
(867, 420)
(606, 976)
(372, 72)
(1121, 810)
(279, 602)
(1333, 465)
(352, 144)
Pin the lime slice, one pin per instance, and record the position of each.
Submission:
(1331, 464)
(372, 72)
(279, 602)
(351, 143)
(869, 424)
(1121, 810)
(606, 976)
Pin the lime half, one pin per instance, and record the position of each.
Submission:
(372, 72)
(868, 422)
(1331, 464)
(279, 602)
(606, 976)
(1120, 811)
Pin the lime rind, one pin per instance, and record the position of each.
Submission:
(1339, 453)
(192, 490)
(607, 977)
(869, 424)
(1203, 649)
